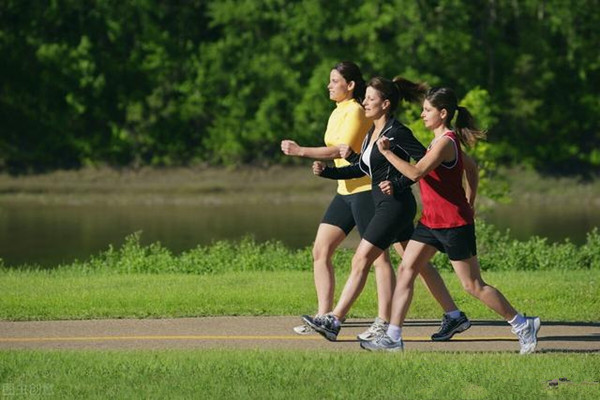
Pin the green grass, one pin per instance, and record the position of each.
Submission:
(255, 374)
(48, 295)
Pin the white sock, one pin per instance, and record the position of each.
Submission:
(518, 320)
(394, 331)
(453, 314)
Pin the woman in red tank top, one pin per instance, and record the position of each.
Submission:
(447, 222)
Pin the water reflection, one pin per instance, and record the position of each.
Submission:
(53, 234)
(555, 222)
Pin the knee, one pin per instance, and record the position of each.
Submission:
(405, 278)
(473, 287)
(322, 252)
(360, 263)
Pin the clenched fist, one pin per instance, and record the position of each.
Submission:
(318, 167)
(386, 187)
(383, 144)
(290, 148)
(345, 150)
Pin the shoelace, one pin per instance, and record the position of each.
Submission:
(522, 334)
(445, 323)
(327, 320)
(378, 328)
(383, 340)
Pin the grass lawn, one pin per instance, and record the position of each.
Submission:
(48, 295)
(257, 374)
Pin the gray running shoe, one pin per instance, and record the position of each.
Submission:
(383, 343)
(377, 328)
(327, 325)
(527, 334)
(303, 329)
(451, 326)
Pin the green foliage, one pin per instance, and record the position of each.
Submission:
(174, 83)
(221, 256)
(497, 251)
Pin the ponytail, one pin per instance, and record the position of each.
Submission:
(466, 129)
(360, 87)
(410, 91)
(397, 90)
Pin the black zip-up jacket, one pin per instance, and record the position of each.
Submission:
(402, 142)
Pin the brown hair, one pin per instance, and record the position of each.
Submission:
(351, 73)
(444, 98)
(397, 90)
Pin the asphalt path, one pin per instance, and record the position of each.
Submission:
(276, 333)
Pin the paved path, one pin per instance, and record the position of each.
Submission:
(275, 333)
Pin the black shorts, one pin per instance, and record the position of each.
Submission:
(458, 243)
(393, 220)
(349, 210)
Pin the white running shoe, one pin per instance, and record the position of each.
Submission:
(377, 328)
(527, 334)
(383, 343)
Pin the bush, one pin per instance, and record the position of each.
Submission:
(497, 251)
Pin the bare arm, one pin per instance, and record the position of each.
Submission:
(442, 150)
(291, 148)
(472, 178)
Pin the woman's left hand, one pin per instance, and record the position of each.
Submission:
(386, 187)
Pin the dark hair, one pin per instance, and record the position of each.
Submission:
(351, 73)
(397, 90)
(466, 129)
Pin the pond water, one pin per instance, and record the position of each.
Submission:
(50, 234)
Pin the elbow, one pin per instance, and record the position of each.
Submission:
(416, 176)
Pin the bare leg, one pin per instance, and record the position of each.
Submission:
(469, 273)
(364, 256)
(328, 239)
(417, 255)
(386, 281)
(433, 281)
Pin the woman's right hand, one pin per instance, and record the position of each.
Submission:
(290, 148)
(318, 167)
(383, 143)
(345, 150)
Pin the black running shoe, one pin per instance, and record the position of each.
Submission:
(327, 325)
(451, 326)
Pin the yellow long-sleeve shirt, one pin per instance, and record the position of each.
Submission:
(348, 125)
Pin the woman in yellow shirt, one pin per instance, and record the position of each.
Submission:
(352, 205)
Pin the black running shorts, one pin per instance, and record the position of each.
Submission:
(349, 210)
(393, 220)
(459, 243)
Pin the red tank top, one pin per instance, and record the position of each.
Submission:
(445, 204)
